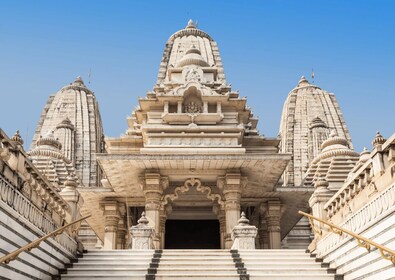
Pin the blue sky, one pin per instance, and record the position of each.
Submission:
(265, 47)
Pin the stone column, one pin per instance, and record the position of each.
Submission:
(142, 234)
(111, 216)
(72, 196)
(273, 215)
(232, 194)
(122, 228)
(162, 226)
(317, 201)
(263, 234)
(243, 235)
(222, 227)
(153, 194)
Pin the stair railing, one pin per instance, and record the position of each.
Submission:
(366, 243)
(34, 244)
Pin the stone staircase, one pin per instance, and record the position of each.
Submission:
(110, 264)
(284, 264)
(197, 265)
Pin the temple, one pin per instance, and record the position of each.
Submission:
(192, 171)
(192, 155)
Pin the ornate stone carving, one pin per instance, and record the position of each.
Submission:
(199, 187)
(192, 108)
(243, 235)
(211, 196)
(142, 234)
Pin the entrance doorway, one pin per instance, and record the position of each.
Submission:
(192, 234)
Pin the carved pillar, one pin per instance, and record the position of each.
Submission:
(222, 227)
(273, 215)
(122, 228)
(153, 191)
(232, 194)
(111, 216)
(263, 234)
(162, 226)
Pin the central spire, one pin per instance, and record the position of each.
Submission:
(190, 41)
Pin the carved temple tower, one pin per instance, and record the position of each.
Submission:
(192, 159)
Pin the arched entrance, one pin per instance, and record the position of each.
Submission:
(193, 219)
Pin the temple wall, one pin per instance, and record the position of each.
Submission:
(375, 221)
(30, 208)
(364, 205)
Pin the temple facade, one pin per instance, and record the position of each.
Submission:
(192, 159)
(192, 171)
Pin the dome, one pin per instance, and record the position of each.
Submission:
(49, 140)
(192, 57)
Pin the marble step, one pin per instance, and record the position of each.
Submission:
(113, 271)
(107, 276)
(196, 254)
(111, 265)
(292, 277)
(188, 271)
(114, 260)
(108, 257)
(198, 277)
(277, 260)
(282, 265)
(278, 270)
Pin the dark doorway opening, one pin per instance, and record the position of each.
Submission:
(192, 234)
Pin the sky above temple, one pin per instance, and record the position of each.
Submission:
(265, 47)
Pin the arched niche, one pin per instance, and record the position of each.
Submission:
(192, 103)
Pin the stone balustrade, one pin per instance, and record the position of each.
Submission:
(382, 205)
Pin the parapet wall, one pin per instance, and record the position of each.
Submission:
(30, 207)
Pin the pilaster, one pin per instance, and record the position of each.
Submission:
(111, 216)
(273, 215)
(153, 190)
(232, 194)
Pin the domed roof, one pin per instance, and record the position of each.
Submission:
(192, 57)
(49, 140)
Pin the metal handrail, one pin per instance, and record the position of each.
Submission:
(364, 242)
(34, 244)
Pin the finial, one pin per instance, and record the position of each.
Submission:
(190, 24)
(17, 138)
(378, 139)
(303, 80)
(143, 220)
(78, 81)
(243, 221)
